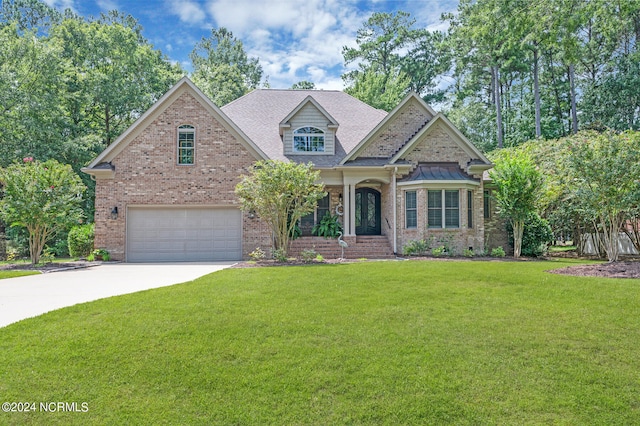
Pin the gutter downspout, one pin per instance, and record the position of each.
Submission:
(395, 213)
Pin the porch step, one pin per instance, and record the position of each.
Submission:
(369, 246)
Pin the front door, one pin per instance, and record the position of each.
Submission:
(367, 211)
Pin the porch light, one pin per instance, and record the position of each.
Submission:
(252, 214)
(114, 213)
(340, 198)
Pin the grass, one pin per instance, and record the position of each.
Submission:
(369, 343)
(18, 273)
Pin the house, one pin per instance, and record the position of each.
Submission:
(165, 187)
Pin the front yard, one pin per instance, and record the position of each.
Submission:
(414, 342)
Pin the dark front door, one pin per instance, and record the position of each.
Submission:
(367, 211)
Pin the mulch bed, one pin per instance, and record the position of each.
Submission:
(626, 269)
(49, 267)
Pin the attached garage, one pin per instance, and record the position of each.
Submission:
(183, 234)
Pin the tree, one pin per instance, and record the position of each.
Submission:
(280, 193)
(392, 55)
(378, 90)
(43, 197)
(222, 69)
(303, 85)
(605, 176)
(519, 187)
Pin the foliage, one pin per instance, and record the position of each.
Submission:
(328, 227)
(43, 197)
(99, 254)
(393, 57)
(309, 255)
(280, 193)
(438, 251)
(303, 85)
(222, 69)
(379, 90)
(518, 189)
(498, 252)
(80, 240)
(536, 236)
(257, 255)
(468, 253)
(280, 255)
(416, 247)
(604, 169)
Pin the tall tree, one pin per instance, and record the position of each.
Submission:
(390, 52)
(222, 68)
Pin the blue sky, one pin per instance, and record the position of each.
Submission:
(294, 39)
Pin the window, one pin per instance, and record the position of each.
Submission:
(411, 212)
(470, 209)
(186, 144)
(308, 139)
(307, 222)
(487, 204)
(443, 207)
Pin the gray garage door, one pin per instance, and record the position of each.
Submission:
(183, 234)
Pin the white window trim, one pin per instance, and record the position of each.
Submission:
(186, 128)
(308, 135)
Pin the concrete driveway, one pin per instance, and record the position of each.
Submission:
(33, 295)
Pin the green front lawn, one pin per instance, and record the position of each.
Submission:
(431, 342)
(15, 273)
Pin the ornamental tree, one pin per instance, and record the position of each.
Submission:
(519, 187)
(280, 193)
(43, 197)
(604, 169)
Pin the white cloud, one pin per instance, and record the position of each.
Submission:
(188, 11)
(61, 4)
(107, 5)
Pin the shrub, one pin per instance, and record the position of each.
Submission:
(536, 236)
(309, 255)
(416, 248)
(280, 255)
(468, 253)
(438, 251)
(257, 255)
(498, 252)
(329, 226)
(80, 240)
(99, 254)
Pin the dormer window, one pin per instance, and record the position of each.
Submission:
(186, 144)
(308, 139)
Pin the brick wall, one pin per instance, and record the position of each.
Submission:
(146, 173)
(397, 132)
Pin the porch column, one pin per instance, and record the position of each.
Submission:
(352, 209)
(346, 210)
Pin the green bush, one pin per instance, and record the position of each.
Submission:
(80, 240)
(308, 255)
(536, 236)
(329, 226)
(99, 254)
(498, 252)
(416, 248)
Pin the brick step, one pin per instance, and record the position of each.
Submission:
(370, 247)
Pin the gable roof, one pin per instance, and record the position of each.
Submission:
(455, 134)
(394, 112)
(309, 100)
(183, 86)
(260, 113)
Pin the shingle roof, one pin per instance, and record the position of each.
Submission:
(259, 113)
(438, 172)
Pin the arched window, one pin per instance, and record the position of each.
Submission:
(186, 144)
(308, 139)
